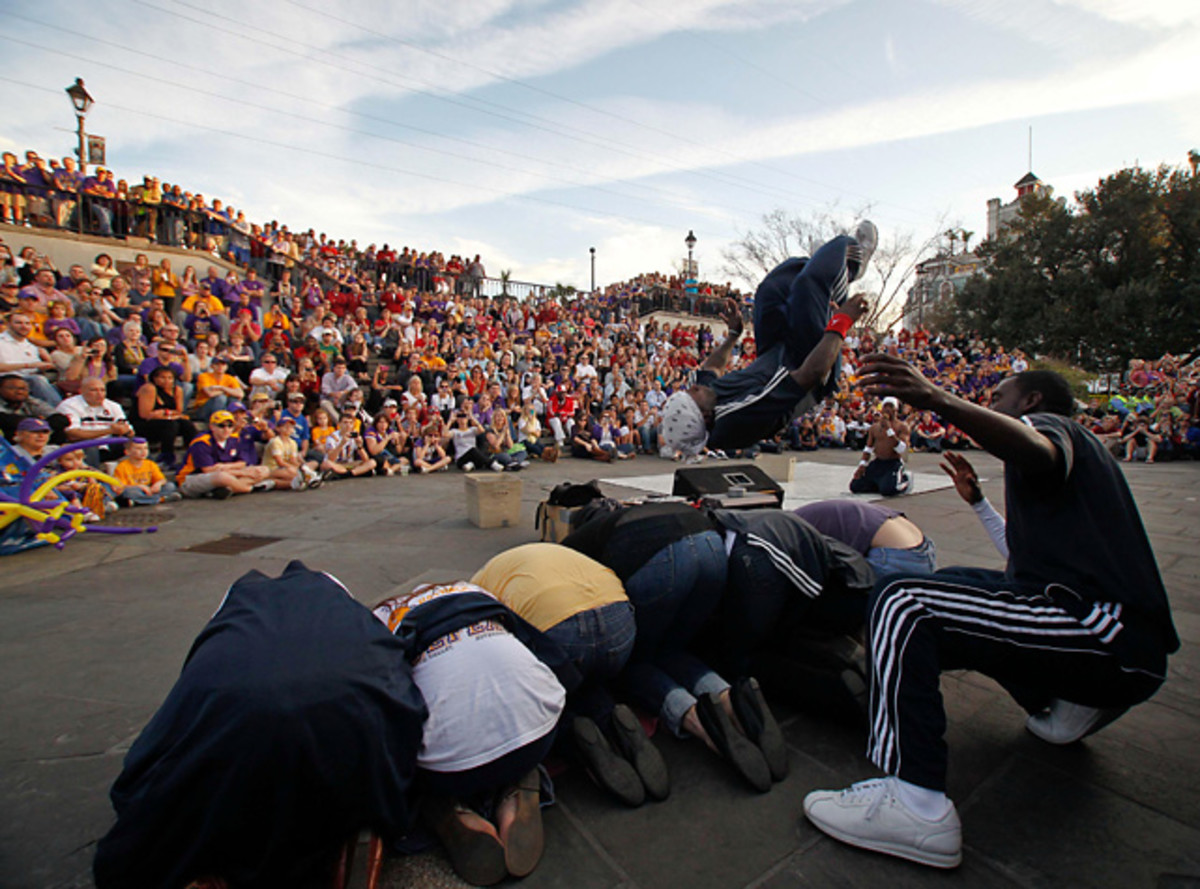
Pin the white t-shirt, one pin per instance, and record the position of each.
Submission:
(14, 352)
(84, 416)
(261, 380)
(487, 694)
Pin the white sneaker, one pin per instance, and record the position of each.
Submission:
(468, 466)
(496, 466)
(871, 815)
(868, 237)
(1066, 723)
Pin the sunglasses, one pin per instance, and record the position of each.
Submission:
(225, 425)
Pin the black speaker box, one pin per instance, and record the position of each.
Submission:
(697, 482)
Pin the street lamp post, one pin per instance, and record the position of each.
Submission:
(592, 250)
(82, 101)
(690, 240)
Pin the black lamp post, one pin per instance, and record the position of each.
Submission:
(82, 101)
(592, 250)
(690, 240)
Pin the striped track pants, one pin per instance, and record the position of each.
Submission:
(1038, 642)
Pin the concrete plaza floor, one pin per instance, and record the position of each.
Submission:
(92, 638)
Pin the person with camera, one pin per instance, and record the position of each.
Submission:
(345, 453)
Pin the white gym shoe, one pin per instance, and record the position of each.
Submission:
(1066, 723)
(871, 815)
(868, 238)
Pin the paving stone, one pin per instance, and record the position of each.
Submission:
(1047, 822)
(91, 639)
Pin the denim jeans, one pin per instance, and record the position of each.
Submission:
(673, 594)
(598, 641)
(138, 497)
(919, 559)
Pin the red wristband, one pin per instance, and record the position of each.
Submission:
(840, 324)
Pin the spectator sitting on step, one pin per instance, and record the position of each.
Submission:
(345, 454)
(142, 480)
(159, 416)
(213, 466)
(16, 404)
(215, 389)
(90, 416)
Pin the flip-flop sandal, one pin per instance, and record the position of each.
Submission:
(472, 844)
(522, 837)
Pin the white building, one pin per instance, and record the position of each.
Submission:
(943, 275)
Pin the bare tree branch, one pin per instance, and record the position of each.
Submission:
(888, 278)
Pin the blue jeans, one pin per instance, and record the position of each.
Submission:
(138, 497)
(39, 387)
(599, 642)
(210, 407)
(919, 559)
(673, 594)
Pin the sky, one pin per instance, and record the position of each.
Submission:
(530, 131)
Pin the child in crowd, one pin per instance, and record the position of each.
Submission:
(142, 481)
(95, 497)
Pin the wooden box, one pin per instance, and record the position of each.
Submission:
(493, 501)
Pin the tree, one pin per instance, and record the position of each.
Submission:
(780, 235)
(1115, 276)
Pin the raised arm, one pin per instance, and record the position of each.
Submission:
(719, 357)
(1004, 436)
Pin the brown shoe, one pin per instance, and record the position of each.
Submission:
(471, 841)
(519, 817)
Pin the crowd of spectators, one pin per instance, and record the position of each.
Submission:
(430, 372)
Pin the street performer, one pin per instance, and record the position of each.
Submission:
(1077, 628)
(798, 349)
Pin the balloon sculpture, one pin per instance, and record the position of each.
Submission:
(52, 519)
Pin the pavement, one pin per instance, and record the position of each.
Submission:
(92, 638)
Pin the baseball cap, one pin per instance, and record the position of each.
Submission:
(220, 417)
(33, 424)
(391, 402)
(234, 407)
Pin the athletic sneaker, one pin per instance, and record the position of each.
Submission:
(858, 255)
(1066, 723)
(468, 466)
(496, 466)
(871, 815)
(265, 485)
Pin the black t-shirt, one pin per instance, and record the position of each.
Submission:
(626, 539)
(1080, 527)
(754, 402)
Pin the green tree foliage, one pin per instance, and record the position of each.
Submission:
(1113, 277)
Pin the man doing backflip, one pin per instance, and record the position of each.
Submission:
(798, 348)
(1077, 628)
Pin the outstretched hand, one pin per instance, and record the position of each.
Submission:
(962, 473)
(856, 306)
(881, 375)
(732, 317)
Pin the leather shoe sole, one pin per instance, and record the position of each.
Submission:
(732, 744)
(636, 748)
(760, 726)
(604, 766)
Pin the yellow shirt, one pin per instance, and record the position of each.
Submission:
(215, 306)
(279, 449)
(228, 381)
(144, 472)
(546, 583)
